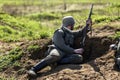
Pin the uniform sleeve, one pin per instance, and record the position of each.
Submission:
(77, 33)
(80, 33)
(59, 42)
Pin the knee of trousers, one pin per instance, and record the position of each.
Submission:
(57, 54)
(78, 58)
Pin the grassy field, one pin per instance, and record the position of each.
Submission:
(42, 24)
(19, 29)
(56, 1)
(14, 29)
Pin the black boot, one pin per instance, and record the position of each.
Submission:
(39, 66)
(43, 63)
(33, 71)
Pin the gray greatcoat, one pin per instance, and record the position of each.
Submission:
(62, 51)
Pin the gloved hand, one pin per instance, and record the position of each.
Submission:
(89, 22)
(113, 47)
(79, 51)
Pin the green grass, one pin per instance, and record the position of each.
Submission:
(9, 59)
(117, 35)
(32, 48)
(13, 57)
(17, 29)
(43, 16)
(55, 1)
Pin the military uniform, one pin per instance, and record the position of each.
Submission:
(62, 50)
(117, 55)
(116, 47)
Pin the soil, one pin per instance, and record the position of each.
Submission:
(98, 62)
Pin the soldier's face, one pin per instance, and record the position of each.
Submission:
(70, 27)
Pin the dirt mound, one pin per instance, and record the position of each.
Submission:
(98, 61)
(101, 68)
(98, 65)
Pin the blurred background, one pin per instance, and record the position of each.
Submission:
(40, 14)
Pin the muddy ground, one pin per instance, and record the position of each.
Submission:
(98, 61)
(98, 65)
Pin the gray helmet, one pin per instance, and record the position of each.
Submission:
(68, 21)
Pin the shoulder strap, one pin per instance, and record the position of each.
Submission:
(56, 30)
(63, 32)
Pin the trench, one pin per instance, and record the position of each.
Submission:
(94, 47)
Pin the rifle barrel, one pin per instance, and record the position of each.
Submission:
(90, 11)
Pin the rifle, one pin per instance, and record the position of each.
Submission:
(86, 28)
